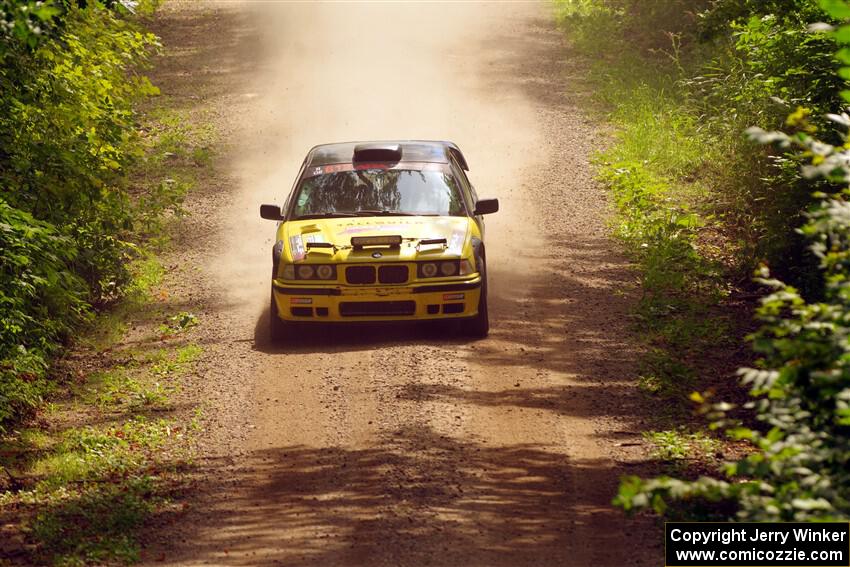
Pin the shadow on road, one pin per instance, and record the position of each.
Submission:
(344, 337)
(416, 498)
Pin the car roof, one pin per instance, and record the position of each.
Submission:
(411, 150)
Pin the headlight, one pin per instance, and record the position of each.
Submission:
(308, 272)
(428, 270)
(444, 268)
(448, 268)
(305, 272)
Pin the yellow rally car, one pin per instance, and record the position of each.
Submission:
(380, 231)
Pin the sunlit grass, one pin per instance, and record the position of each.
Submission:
(87, 489)
(667, 168)
(679, 444)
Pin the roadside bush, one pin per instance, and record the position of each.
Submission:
(705, 71)
(800, 466)
(39, 299)
(800, 469)
(679, 153)
(69, 80)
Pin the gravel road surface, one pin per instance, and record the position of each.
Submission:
(397, 445)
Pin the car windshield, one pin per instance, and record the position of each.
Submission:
(379, 190)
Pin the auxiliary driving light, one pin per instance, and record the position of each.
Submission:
(389, 240)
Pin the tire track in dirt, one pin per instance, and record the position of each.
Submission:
(405, 446)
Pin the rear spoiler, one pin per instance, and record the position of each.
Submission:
(377, 152)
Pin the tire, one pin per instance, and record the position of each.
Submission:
(278, 329)
(478, 327)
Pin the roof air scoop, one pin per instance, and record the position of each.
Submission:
(377, 152)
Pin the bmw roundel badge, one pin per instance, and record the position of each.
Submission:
(376, 254)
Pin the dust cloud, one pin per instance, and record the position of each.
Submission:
(370, 71)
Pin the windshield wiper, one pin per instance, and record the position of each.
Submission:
(326, 216)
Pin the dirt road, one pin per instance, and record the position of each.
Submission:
(406, 446)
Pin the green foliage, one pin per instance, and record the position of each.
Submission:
(584, 17)
(700, 205)
(769, 53)
(39, 298)
(182, 321)
(663, 374)
(83, 492)
(679, 283)
(799, 468)
(96, 488)
(148, 384)
(661, 231)
(24, 22)
(81, 200)
(93, 525)
(188, 354)
(162, 199)
(69, 79)
(682, 80)
(678, 444)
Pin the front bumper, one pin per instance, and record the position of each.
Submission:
(339, 303)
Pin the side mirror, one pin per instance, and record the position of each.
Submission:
(271, 212)
(486, 206)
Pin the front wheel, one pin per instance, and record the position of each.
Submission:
(479, 326)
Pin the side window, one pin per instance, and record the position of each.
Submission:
(288, 204)
(468, 192)
(473, 193)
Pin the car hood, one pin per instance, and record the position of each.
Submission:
(340, 230)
